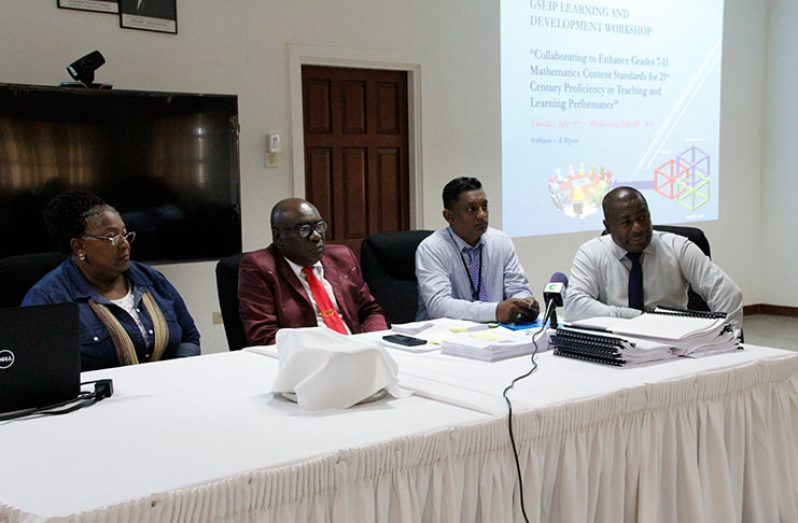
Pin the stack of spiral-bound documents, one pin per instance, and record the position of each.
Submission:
(684, 333)
(690, 333)
(608, 348)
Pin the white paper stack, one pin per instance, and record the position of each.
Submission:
(489, 345)
(687, 335)
(411, 329)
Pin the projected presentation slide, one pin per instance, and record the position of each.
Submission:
(601, 94)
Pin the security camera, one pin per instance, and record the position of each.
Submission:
(82, 70)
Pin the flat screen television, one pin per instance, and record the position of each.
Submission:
(168, 162)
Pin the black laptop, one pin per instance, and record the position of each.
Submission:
(39, 356)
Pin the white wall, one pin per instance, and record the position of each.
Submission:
(780, 190)
(242, 47)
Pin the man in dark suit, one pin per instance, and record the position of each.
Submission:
(299, 281)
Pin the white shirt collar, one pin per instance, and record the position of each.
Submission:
(317, 269)
(461, 243)
(620, 253)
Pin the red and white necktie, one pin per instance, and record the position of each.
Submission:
(328, 313)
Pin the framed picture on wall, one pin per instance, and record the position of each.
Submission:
(98, 6)
(149, 15)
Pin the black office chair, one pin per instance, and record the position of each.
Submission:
(694, 234)
(19, 273)
(227, 288)
(388, 261)
(697, 236)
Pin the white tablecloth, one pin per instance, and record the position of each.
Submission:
(180, 423)
(202, 440)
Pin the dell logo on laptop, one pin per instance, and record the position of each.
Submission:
(6, 359)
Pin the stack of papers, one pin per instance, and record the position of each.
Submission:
(489, 345)
(686, 335)
(411, 329)
(608, 348)
(468, 339)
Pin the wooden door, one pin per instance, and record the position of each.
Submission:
(356, 150)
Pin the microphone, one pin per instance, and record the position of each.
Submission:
(553, 294)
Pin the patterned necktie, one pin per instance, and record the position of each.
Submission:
(636, 300)
(478, 291)
(328, 313)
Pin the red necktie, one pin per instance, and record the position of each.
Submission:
(328, 313)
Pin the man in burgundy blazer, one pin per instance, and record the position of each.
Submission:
(271, 294)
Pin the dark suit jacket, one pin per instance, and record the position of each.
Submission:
(271, 296)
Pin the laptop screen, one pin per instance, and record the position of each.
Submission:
(39, 356)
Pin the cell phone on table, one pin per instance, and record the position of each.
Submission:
(401, 339)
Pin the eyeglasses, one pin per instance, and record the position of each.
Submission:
(116, 240)
(304, 230)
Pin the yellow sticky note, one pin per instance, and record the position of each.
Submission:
(486, 336)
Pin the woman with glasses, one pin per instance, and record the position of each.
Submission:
(129, 312)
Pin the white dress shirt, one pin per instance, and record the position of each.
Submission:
(444, 286)
(671, 263)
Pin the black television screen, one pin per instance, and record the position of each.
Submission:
(168, 162)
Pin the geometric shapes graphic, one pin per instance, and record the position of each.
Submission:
(695, 160)
(695, 194)
(667, 178)
(685, 178)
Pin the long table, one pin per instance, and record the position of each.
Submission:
(203, 439)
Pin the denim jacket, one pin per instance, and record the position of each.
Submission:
(66, 283)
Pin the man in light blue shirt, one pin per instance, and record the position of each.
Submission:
(468, 270)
